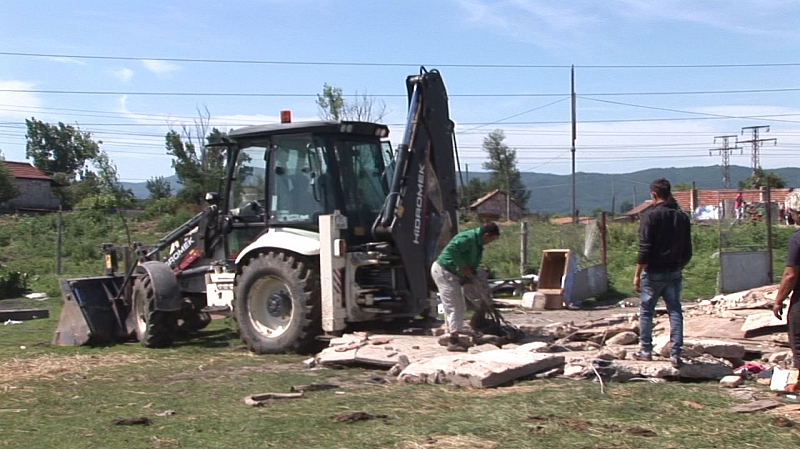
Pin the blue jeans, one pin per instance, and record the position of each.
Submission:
(654, 286)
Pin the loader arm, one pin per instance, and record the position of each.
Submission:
(420, 210)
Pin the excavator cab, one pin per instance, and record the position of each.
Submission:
(287, 175)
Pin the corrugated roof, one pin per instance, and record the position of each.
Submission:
(24, 170)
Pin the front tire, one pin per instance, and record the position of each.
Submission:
(277, 304)
(154, 328)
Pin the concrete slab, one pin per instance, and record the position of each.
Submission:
(384, 354)
(764, 322)
(23, 314)
(483, 370)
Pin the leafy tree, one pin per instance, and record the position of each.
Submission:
(682, 186)
(597, 212)
(159, 188)
(333, 106)
(625, 206)
(759, 179)
(59, 148)
(502, 164)
(331, 103)
(8, 189)
(199, 167)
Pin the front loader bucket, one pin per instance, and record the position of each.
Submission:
(91, 315)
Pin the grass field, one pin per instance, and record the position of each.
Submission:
(69, 397)
(66, 397)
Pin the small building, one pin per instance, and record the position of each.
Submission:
(35, 190)
(493, 205)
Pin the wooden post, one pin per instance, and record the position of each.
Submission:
(523, 247)
(768, 217)
(603, 241)
(59, 229)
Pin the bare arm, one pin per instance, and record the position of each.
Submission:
(788, 281)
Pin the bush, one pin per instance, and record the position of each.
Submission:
(161, 208)
(12, 283)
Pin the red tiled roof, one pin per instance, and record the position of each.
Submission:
(24, 170)
(714, 197)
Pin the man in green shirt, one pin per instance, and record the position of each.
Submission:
(456, 264)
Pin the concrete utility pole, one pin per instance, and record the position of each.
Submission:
(725, 151)
(574, 189)
(756, 143)
(508, 189)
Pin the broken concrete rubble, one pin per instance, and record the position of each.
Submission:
(486, 369)
(715, 342)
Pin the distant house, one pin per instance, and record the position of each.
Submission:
(35, 190)
(493, 205)
(636, 212)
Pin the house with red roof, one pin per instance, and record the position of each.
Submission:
(35, 190)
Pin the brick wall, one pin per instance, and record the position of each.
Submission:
(714, 197)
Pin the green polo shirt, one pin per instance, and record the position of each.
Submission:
(464, 250)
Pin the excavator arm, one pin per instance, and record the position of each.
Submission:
(420, 210)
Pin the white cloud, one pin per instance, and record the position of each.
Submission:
(160, 67)
(124, 74)
(18, 104)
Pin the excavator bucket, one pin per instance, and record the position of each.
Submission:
(94, 312)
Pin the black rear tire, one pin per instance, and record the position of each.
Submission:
(154, 328)
(277, 304)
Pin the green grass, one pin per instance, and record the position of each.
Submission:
(67, 397)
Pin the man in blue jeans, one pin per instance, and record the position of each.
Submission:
(665, 247)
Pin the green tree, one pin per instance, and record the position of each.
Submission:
(198, 166)
(333, 106)
(625, 206)
(759, 179)
(159, 188)
(502, 164)
(682, 186)
(59, 148)
(8, 189)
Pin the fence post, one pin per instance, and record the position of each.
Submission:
(523, 247)
(603, 239)
(59, 230)
(768, 213)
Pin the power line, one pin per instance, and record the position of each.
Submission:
(453, 95)
(725, 151)
(394, 64)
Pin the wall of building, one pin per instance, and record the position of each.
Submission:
(34, 194)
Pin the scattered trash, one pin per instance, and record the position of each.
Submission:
(36, 296)
(23, 347)
(755, 406)
(258, 400)
(8, 322)
(313, 387)
(166, 413)
(357, 416)
(140, 421)
(784, 380)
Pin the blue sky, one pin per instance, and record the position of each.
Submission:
(647, 116)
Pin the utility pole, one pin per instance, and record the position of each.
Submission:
(613, 197)
(574, 194)
(725, 151)
(508, 189)
(756, 144)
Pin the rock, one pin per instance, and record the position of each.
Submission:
(619, 353)
(486, 369)
(536, 346)
(491, 340)
(760, 323)
(511, 346)
(778, 357)
(580, 346)
(623, 338)
(704, 369)
(549, 374)
(756, 406)
(662, 345)
(482, 348)
(628, 369)
(574, 370)
(731, 381)
(718, 348)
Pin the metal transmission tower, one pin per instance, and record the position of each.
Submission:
(756, 143)
(725, 151)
